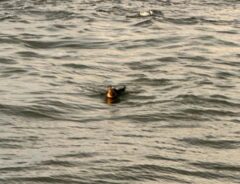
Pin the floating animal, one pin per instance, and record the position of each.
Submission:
(113, 94)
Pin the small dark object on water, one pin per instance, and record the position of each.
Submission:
(112, 93)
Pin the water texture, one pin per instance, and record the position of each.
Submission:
(179, 121)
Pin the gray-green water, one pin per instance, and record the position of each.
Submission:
(179, 121)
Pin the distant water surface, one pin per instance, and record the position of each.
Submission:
(179, 121)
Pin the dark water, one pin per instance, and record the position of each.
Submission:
(179, 121)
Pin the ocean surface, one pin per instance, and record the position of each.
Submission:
(177, 123)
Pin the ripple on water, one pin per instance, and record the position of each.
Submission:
(7, 61)
(52, 15)
(153, 82)
(76, 66)
(32, 111)
(65, 44)
(217, 166)
(211, 143)
(218, 100)
(30, 54)
(156, 171)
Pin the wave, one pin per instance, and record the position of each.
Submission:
(211, 143)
